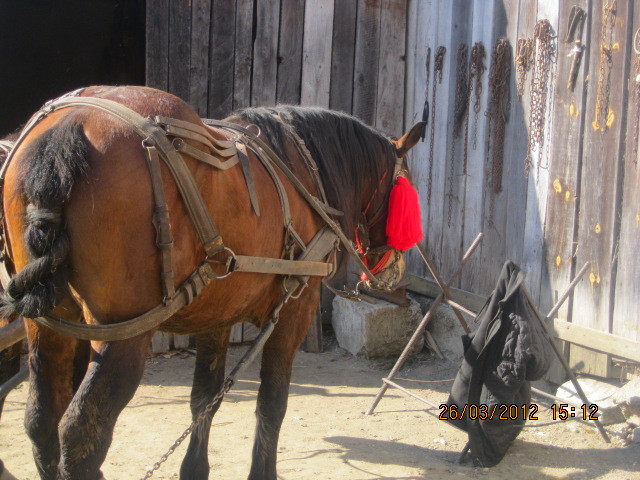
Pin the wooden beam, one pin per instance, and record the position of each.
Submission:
(597, 340)
(429, 288)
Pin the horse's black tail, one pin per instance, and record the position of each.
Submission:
(52, 164)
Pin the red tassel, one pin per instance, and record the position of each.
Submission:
(403, 218)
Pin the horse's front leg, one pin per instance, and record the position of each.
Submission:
(211, 350)
(86, 429)
(275, 375)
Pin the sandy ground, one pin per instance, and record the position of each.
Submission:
(325, 434)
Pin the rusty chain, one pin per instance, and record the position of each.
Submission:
(476, 70)
(544, 50)
(498, 115)
(437, 78)
(460, 112)
(524, 57)
(425, 108)
(601, 117)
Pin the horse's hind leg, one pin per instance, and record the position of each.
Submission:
(51, 364)
(208, 376)
(275, 375)
(86, 429)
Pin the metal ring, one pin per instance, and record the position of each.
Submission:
(231, 259)
(256, 127)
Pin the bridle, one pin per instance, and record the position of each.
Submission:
(389, 254)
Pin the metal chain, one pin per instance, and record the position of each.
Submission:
(600, 120)
(229, 381)
(460, 112)
(425, 108)
(524, 57)
(498, 115)
(636, 95)
(544, 55)
(437, 78)
(478, 54)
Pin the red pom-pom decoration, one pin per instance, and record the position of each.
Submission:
(403, 218)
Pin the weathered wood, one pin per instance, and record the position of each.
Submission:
(594, 339)
(199, 67)
(179, 47)
(221, 60)
(391, 68)
(290, 52)
(429, 288)
(157, 45)
(365, 80)
(316, 58)
(343, 53)
(538, 185)
(600, 191)
(626, 321)
(265, 54)
(243, 54)
(482, 271)
(313, 341)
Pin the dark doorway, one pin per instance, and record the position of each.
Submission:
(50, 47)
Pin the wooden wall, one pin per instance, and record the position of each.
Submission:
(580, 203)
(220, 55)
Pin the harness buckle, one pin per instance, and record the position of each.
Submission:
(230, 263)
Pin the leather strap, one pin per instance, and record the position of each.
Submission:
(248, 176)
(155, 136)
(201, 156)
(164, 241)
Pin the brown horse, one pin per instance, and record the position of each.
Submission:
(78, 206)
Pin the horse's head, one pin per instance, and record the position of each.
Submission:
(390, 222)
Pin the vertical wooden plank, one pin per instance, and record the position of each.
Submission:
(516, 141)
(161, 342)
(493, 251)
(626, 321)
(179, 47)
(290, 52)
(564, 169)
(265, 54)
(365, 80)
(392, 67)
(199, 65)
(600, 189)
(343, 52)
(222, 59)
(423, 16)
(538, 185)
(243, 54)
(457, 210)
(157, 45)
(444, 103)
(316, 56)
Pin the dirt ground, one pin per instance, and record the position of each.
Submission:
(325, 434)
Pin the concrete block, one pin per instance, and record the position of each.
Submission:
(445, 329)
(597, 392)
(635, 435)
(380, 330)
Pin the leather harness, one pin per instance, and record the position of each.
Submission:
(227, 154)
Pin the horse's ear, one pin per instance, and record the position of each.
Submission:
(409, 139)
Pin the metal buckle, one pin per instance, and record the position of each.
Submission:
(230, 263)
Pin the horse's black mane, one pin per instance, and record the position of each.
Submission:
(349, 154)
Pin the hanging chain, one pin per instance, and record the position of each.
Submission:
(476, 71)
(425, 107)
(437, 78)
(544, 55)
(460, 112)
(524, 57)
(246, 360)
(601, 120)
(498, 115)
(635, 79)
